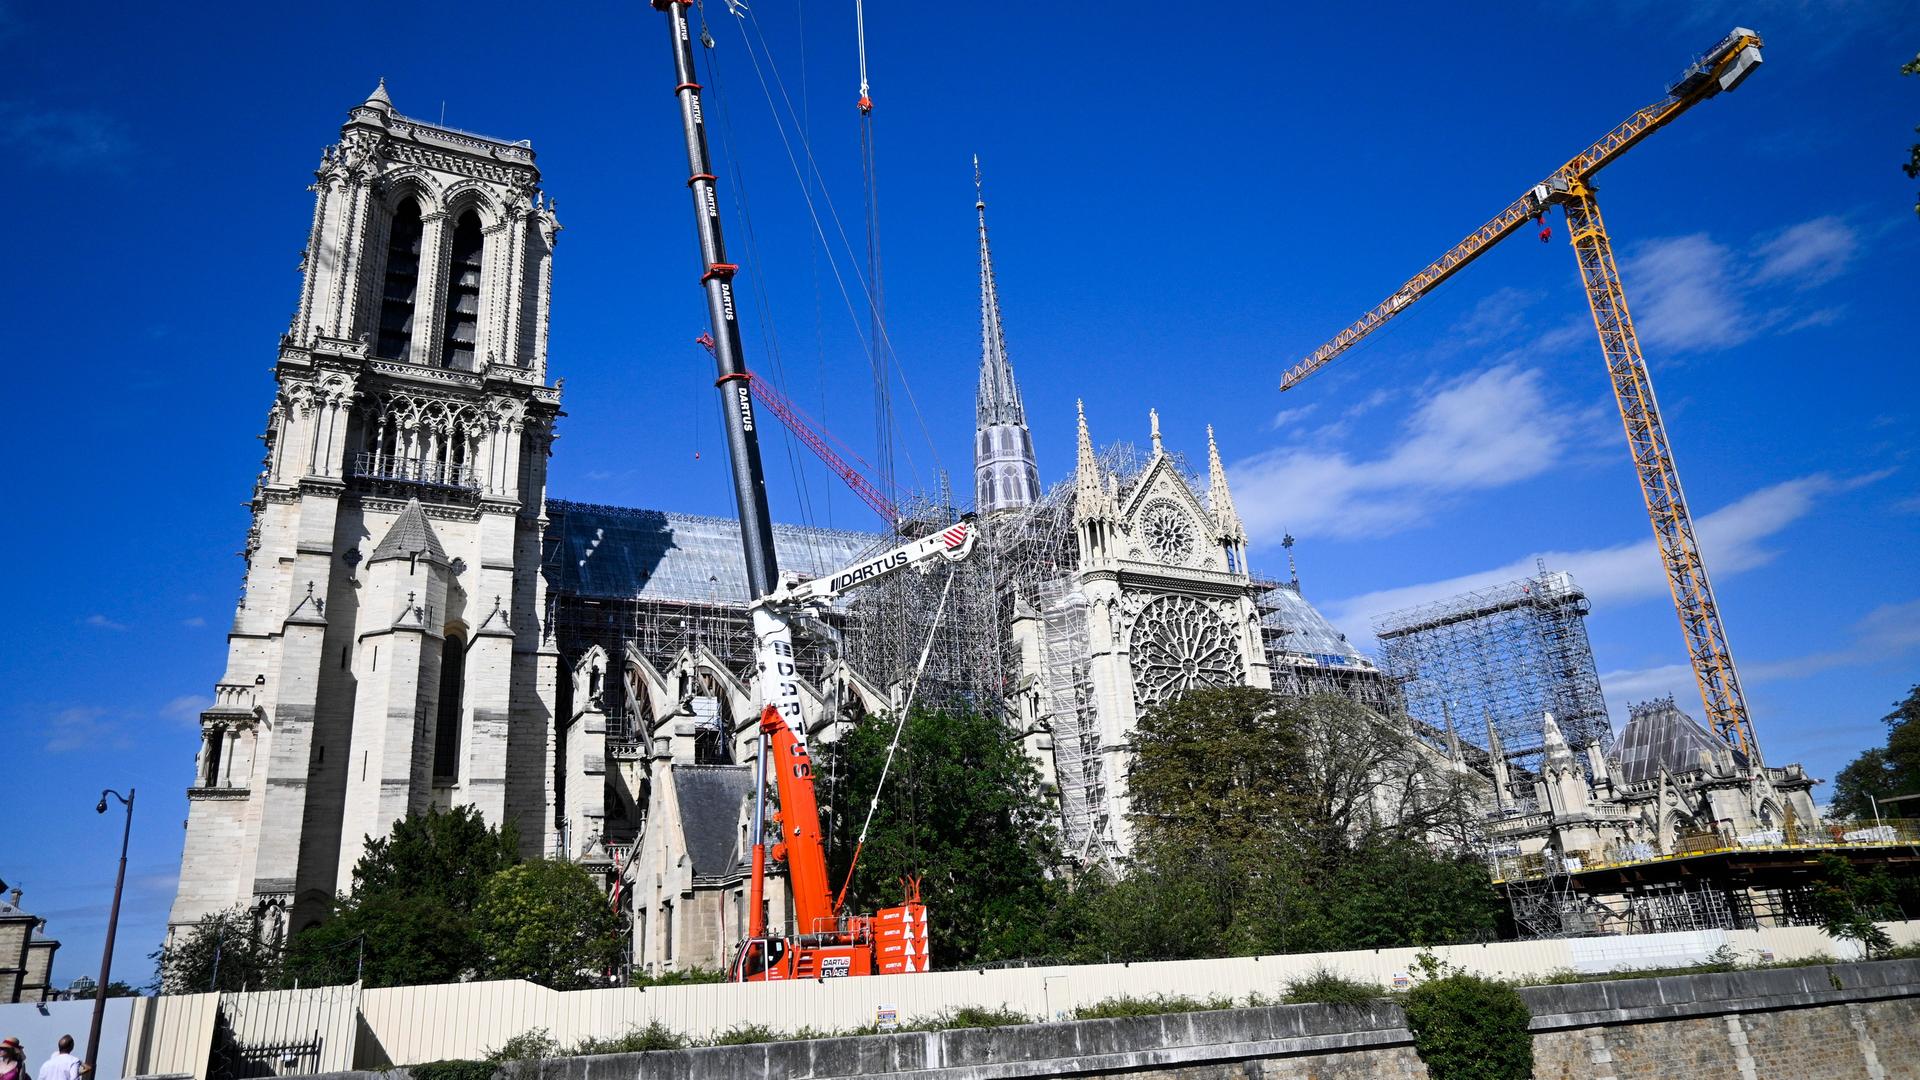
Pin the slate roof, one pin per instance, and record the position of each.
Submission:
(1659, 734)
(410, 534)
(710, 800)
(622, 552)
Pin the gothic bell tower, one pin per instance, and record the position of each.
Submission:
(386, 654)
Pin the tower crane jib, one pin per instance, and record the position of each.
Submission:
(1723, 67)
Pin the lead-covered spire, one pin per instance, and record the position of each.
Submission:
(1005, 474)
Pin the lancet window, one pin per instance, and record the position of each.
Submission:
(463, 295)
(401, 283)
(446, 730)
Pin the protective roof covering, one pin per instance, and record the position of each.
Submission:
(1658, 735)
(710, 800)
(1308, 632)
(409, 535)
(616, 551)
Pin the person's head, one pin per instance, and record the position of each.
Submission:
(10, 1050)
(66, 1044)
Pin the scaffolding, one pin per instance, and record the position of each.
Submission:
(1499, 658)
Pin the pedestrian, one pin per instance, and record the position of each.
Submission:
(13, 1060)
(63, 1065)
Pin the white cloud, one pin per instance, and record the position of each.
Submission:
(101, 622)
(1809, 253)
(82, 727)
(1732, 539)
(186, 707)
(196, 622)
(1684, 295)
(63, 138)
(1693, 293)
(1489, 429)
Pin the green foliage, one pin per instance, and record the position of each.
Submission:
(745, 1034)
(83, 987)
(691, 976)
(969, 1016)
(1912, 167)
(1259, 829)
(534, 1044)
(1325, 986)
(223, 951)
(548, 922)
(410, 913)
(1848, 904)
(655, 1036)
(963, 810)
(1157, 1005)
(1470, 1028)
(1881, 771)
(455, 1069)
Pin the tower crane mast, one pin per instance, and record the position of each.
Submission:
(1569, 187)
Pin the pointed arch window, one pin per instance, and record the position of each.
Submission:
(463, 295)
(402, 282)
(446, 730)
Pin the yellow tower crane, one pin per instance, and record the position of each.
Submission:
(1724, 67)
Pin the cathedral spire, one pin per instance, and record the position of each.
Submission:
(1219, 499)
(1005, 474)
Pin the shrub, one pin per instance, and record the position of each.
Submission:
(639, 1040)
(1159, 1004)
(1470, 1028)
(1325, 986)
(742, 1034)
(680, 977)
(531, 1045)
(456, 1069)
(971, 1016)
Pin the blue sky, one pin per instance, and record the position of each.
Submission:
(1184, 200)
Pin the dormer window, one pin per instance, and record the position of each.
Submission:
(463, 295)
(401, 284)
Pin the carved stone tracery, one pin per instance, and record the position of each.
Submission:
(1179, 644)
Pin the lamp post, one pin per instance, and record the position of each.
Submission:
(113, 923)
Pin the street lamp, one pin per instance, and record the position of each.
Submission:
(113, 923)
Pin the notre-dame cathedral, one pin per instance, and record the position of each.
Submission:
(423, 626)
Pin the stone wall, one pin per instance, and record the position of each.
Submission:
(1814, 1023)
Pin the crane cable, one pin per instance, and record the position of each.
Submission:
(899, 726)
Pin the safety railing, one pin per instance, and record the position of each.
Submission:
(442, 474)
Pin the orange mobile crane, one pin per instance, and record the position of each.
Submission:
(1570, 187)
(824, 941)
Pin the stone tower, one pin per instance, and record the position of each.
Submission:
(1005, 475)
(386, 654)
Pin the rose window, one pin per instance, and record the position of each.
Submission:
(1180, 644)
(1168, 531)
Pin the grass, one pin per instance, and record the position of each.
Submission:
(1115, 1008)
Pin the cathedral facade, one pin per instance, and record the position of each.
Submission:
(421, 626)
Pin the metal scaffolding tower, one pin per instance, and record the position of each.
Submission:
(1499, 658)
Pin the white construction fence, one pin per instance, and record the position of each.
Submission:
(296, 1032)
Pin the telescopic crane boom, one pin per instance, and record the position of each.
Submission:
(824, 942)
(1724, 67)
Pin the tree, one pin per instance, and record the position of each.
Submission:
(964, 811)
(83, 987)
(409, 917)
(547, 921)
(1893, 769)
(1912, 167)
(1270, 824)
(223, 951)
(1849, 904)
